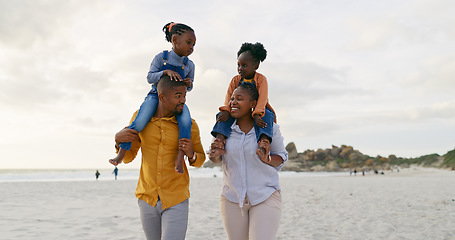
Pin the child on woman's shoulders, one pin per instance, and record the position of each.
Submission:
(248, 59)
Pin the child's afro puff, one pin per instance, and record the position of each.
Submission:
(257, 50)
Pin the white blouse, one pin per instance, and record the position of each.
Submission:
(244, 172)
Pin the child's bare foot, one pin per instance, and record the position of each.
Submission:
(118, 159)
(179, 162)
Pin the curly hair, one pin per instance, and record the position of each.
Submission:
(257, 50)
(251, 89)
(175, 28)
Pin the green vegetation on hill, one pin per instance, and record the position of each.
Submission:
(449, 159)
(426, 160)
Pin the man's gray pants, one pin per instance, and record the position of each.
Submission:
(167, 224)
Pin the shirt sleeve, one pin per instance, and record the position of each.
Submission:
(130, 155)
(197, 146)
(154, 73)
(190, 75)
(232, 86)
(277, 146)
(263, 89)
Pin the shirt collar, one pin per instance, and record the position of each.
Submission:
(237, 129)
(175, 56)
(171, 119)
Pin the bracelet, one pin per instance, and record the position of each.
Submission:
(270, 159)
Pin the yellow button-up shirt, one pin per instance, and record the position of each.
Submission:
(158, 142)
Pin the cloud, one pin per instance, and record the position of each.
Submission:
(339, 73)
(24, 23)
(435, 73)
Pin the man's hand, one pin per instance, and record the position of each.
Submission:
(186, 145)
(223, 116)
(259, 122)
(173, 75)
(126, 135)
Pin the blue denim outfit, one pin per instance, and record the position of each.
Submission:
(150, 104)
(225, 127)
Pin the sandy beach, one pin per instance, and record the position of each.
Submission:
(416, 203)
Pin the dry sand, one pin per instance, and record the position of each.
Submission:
(415, 203)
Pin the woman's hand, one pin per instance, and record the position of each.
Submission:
(259, 122)
(217, 150)
(223, 116)
(173, 75)
(263, 150)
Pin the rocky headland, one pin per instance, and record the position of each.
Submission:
(345, 158)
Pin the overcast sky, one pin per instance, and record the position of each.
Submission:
(375, 75)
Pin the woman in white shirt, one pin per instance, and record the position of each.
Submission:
(251, 201)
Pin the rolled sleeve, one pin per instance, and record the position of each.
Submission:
(131, 154)
(197, 146)
(277, 146)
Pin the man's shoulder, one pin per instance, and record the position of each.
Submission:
(193, 121)
(194, 125)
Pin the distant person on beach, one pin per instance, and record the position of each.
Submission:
(178, 67)
(115, 172)
(161, 191)
(248, 59)
(251, 200)
(97, 174)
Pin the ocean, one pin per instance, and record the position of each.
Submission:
(49, 175)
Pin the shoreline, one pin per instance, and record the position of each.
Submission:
(68, 175)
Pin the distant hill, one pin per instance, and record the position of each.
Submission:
(346, 157)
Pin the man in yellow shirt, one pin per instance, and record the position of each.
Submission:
(161, 191)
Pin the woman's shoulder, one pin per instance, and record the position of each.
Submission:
(276, 127)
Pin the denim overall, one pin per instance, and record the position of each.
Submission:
(150, 104)
(224, 128)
